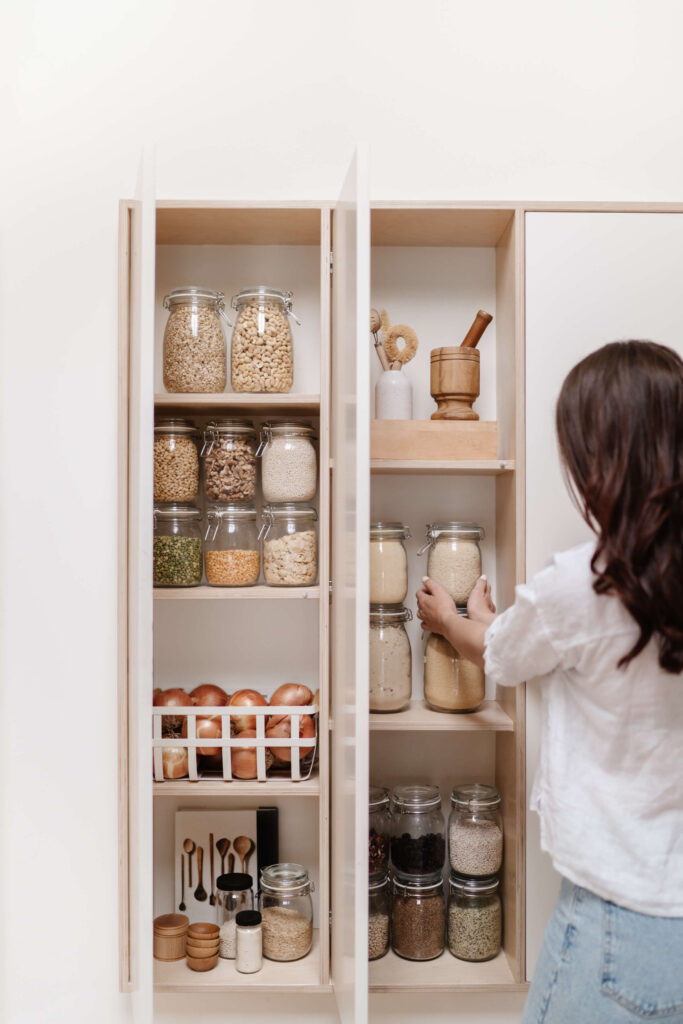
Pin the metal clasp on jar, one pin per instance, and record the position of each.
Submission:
(431, 537)
(210, 438)
(266, 438)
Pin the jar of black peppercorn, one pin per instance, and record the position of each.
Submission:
(418, 842)
(380, 831)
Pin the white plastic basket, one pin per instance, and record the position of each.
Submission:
(299, 769)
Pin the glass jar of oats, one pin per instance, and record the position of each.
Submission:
(195, 351)
(454, 557)
(287, 911)
(289, 469)
(451, 682)
(290, 545)
(176, 463)
(229, 454)
(388, 563)
(262, 353)
(390, 657)
(232, 553)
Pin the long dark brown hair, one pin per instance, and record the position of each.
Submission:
(620, 430)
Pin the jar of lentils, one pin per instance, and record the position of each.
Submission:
(454, 557)
(195, 352)
(176, 462)
(290, 545)
(286, 911)
(229, 453)
(379, 915)
(391, 672)
(474, 917)
(451, 682)
(262, 356)
(388, 563)
(379, 840)
(232, 553)
(289, 470)
(475, 830)
(177, 546)
(418, 916)
(418, 842)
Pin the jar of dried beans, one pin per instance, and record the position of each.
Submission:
(195, 352)
(390, 657)
(289, 470)
(286, 911)
(290, 545)
(474, 918)
(177, 546)
(454, 557)
(229, 453)
(176, 462)
(418, 916)
(418, 843)
(475, 830)
(262, 356)
(379, 914)
(232, 553)
(451, 682)
(388, 563)
(380, 831)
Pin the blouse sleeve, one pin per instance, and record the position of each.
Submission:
(517, 644)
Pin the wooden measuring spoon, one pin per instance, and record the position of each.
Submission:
(212, 898)
(243, 847)
(200, 891)
(223, 845)
(181, 905)
(189, 847)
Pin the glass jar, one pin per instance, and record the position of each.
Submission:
(289, 470)
(229, 453)
(286, 911)
(195, 351)
(388, 563)
(475, 830)
(232, 553)
(379, 915)
(290, 545)
(262, 356)
(391, 671)
(249, 958)
(418, 916)
(418, 843)
(451, 682)
(474, 918)
(233, 895)
(177, 546)
(379, 839)
(176, 463)
(454, 557)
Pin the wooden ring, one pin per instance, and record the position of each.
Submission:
(391, 336)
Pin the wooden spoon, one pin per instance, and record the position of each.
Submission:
(189, 847)
(231, 863)
(212, 898)
(243, 847)
(181, 905)
(200, 891)
(223, 845)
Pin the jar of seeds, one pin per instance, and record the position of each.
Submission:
(380, 831)
(379, 914)
(232, 553)
(454, 557)
(176, 462)
(229, 453)
(418, 916)
(177, 546)
(289, 470)
(262, 354)
(286, 911)
(195, 352)
(418, 843)
(474, 917)
(475, 830)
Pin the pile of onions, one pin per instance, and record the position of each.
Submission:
(291, 694)
(247, 699)
(174, 698)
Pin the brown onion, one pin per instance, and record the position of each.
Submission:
(174, 760)
(292, 694)
(244, 758)
(207, 695)
(207, 728)
(246, 698)
(173, 698)
(283, 729)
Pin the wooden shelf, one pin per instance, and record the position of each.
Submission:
(446, 974)
(298, 975)
(461, 467)
(215, 223)
(434, 440)
(427, 224)
(230, 401)
(259, 593)
(238, 787)
(418, 717)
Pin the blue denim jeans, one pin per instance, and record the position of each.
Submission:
(602, 964)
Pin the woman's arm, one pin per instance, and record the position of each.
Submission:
(438, 614)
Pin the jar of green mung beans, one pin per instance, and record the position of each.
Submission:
(177, 546)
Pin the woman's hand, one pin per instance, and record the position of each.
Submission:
(435, 607)
(480, 607)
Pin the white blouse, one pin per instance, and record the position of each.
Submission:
(609, 787)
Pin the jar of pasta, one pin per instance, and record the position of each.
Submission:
(454, 557)
(289, 470)
(262, 356)
(391, 675)
(290, 545)
(232, 553)
(451, 682)
(474, 918)
(177, 546)
(229, 453)
(176, 462)
(195, 352)
(388, 563)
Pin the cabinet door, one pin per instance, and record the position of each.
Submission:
(590, 278)
(349, 619)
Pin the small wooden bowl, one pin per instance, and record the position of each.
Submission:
(200, 952)
(203, 930)
(204, 943)
(204, 964)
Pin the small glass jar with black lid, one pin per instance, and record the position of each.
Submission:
(233, 894)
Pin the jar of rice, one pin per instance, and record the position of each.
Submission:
(454, 557)
(388, 563)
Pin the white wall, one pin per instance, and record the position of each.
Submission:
(535, 99)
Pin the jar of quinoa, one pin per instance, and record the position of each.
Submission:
(176, 461)
(229, 453)
(262, 355)
(195, 351)
(454, 557)
(232, 553)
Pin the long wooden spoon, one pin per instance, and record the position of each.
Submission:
(189, 847)
(223, 845)
(182, 883)
(242, 847)
(200, 891)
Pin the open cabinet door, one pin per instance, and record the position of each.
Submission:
(136, 415)
(349, 619)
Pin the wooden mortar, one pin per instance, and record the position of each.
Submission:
(455, 382)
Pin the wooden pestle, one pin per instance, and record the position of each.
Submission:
(479, 325)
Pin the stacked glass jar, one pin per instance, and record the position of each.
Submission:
(177, 548)
(390, 672)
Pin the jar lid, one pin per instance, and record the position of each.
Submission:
(474, 886)
(192, 294)
(218, 510)
(236, 881)
(293, 427)
(378, 797)
(228, 426)
(262, 291)
(247, 918)
(463, 530)
(171, 924)
(378, 881)
(176, 510)
(475, 795)
(418, 883)
(173, 426)
(289, 511)
(390, 613)
(285, 879)
(389, 531)
(415, 798)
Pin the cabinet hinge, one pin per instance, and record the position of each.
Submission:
(331, 264)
